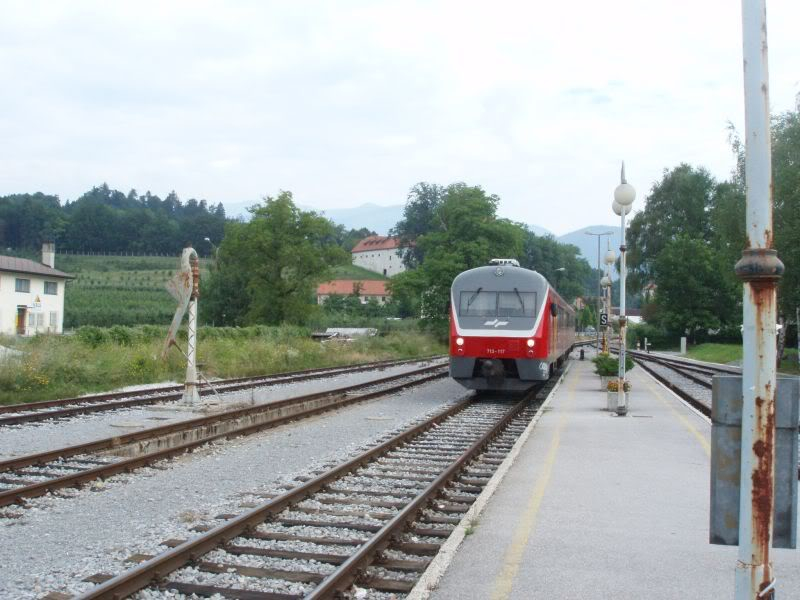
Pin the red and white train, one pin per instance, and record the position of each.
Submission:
(508, 327)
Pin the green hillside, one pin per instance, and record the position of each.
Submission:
(119, 290)
(129, 290)
(354, 272)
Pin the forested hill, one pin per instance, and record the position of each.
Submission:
(107, 220)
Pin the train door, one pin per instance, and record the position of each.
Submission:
(21, 318)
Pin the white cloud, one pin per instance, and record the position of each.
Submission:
(347, 102)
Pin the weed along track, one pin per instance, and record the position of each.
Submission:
(37, 474)
(70, 407)
(374, 521)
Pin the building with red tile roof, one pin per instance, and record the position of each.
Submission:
(379, 254)
(347, 287)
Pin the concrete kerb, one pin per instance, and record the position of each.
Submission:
(436, 569)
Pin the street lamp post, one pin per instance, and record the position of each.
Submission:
(624, 195)
(610, 259)
(599, 285)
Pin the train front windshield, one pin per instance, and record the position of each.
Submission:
(485, 303)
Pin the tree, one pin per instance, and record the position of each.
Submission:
(689, 288)
(466, 234)
(420, 216)
(547, 256)
(677, 205)
(267, 268)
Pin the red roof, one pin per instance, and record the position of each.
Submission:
(344, 287)
(376, 242)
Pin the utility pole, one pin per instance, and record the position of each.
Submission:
(599, 285)
(759, 269)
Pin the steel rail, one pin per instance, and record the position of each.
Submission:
(153, 570)
(347, 572)
(17, 495)
(154, 432)
(37, 411)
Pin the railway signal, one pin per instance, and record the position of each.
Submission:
(185, 288)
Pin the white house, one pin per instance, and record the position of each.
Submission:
(32, 294)
(379, 254)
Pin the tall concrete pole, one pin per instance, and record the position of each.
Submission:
(759, 269)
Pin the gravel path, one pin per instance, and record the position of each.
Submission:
(56, 542)
(47, 435)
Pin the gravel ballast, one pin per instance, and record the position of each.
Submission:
(28, 438)
(56, 542)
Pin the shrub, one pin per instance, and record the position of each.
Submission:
(124, 336)
(608, 366)
(92, 336)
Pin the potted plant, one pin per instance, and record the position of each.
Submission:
(606, 366)
(612, 393)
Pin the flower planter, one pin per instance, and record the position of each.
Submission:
(604, 379)
(611, 401)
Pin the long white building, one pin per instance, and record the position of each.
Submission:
(32, 294)
(380, 255)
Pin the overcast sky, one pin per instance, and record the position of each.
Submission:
(351, 102)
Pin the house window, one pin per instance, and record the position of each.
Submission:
(51, 288)
(23, 285)
(53, 320)
(31, 320)
(39, 320)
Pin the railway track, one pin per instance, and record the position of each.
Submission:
(38, 474)
(70, 407)
(690, 380)
(374, 521)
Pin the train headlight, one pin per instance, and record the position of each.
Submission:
(459, 341)
(531, 343)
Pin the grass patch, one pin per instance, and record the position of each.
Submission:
(356, 272)
(727, 353)
(719, 353)
(97, 360)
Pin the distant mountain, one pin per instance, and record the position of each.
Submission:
(379, 219)
(540, 231)
(588, 243)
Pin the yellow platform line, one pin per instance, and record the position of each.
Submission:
(682, 418)
(513, 555)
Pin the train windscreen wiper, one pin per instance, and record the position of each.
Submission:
(475, 295)
(521, 303)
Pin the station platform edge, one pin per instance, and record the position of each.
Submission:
(600, 506)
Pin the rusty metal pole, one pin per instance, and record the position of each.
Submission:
(759, 269)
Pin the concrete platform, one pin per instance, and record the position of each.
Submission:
(600, 506)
